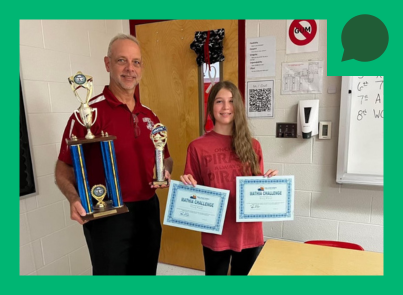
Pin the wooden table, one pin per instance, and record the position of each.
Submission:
(293, 258)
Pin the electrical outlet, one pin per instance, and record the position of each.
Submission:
(286, 130)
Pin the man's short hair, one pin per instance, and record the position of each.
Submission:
(121, 37)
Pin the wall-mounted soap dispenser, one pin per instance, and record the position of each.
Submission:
(307, 118)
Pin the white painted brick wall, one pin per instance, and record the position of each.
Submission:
(323, 208)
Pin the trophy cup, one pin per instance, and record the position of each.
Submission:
(159, 137)
(114, 204)
(83, 81)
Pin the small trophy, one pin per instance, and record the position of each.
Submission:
(114, 204)
(84, 81)
(159, 137)
(98, 192)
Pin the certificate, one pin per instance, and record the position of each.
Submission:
(260, 198)
(199, 208)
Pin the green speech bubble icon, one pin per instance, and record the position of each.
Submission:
(364, 38)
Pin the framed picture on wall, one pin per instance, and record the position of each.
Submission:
(27, 179)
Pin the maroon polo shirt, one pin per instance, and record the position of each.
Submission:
(135, 151)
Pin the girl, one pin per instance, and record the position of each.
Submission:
(214, 160)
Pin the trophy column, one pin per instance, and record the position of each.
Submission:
(80, 172)
(111, 173)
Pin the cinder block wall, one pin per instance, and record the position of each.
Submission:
(50, 52)
(323, 208)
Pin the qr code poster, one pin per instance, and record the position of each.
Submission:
(260, 99)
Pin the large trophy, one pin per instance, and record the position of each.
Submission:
(159, 137)
(114, 204)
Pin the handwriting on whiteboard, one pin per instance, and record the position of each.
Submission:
(369, 91)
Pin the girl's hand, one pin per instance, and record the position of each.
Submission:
(270, 173)
(188, 179)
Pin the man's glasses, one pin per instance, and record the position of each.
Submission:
(136, 126)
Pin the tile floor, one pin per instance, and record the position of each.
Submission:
(172, 270)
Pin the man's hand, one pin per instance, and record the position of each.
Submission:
(76, 211)
(65, 180)
(168, 164)
(167, 177)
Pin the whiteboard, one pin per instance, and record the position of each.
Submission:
(360, 150)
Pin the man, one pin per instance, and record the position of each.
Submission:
(129, 243)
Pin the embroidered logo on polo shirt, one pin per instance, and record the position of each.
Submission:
(150, 124)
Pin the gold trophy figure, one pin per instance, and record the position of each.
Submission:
(159, 137)
(98, 192)
(84, 81)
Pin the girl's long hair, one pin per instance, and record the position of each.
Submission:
(241, 137)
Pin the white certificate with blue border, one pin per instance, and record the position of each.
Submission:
(260, 198)
(199, 208)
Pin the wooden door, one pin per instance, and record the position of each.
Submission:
(170, 88)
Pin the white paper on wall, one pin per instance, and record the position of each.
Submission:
(261, 57)
(302, 77)
(260, 98)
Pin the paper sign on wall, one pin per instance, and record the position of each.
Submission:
(302, 35)
(261, 57)
(302, 77)
(260, 98)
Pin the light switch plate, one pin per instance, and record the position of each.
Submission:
(286, 130)
(325, 130)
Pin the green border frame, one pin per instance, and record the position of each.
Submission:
(337, 14)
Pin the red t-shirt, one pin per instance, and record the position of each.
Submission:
(135, 151)
(212, 162)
